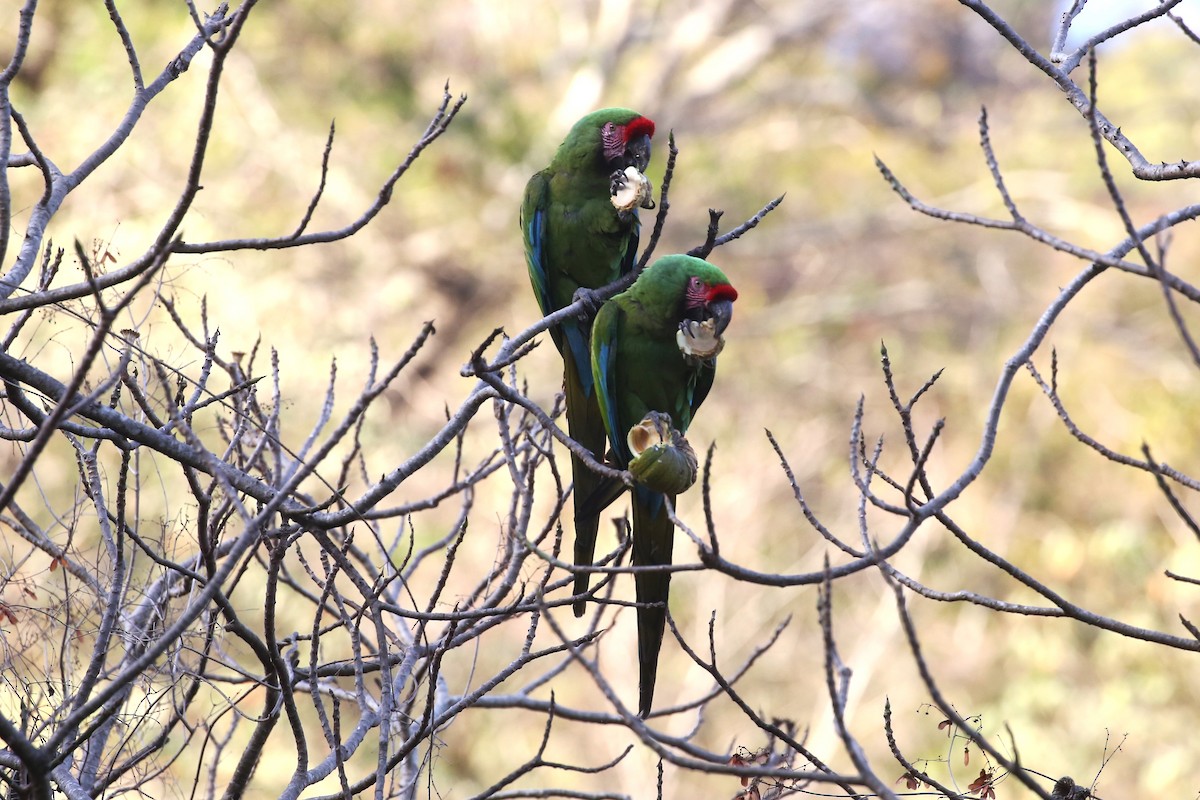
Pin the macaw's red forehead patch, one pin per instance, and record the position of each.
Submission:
(639, 126)
(722, 291)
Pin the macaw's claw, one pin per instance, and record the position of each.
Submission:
(591, 302)
(617, 183)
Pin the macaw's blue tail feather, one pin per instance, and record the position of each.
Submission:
(653, 535)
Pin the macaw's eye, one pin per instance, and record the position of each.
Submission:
(696, 292)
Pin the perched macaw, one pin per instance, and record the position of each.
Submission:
(654, 349)
(580, 223)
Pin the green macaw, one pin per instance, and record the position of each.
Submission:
(580, 224)
(654, 349)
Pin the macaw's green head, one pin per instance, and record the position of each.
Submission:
(708, 300)
(688, 298)
(619, 135)
(688, 291)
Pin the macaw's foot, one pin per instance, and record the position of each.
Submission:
(630, 190)
(699, 341)
(591, 302)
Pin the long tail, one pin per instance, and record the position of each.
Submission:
(653, 535)
(586, 426)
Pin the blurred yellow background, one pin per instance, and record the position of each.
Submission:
(764, 98)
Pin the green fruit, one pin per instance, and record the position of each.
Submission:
(663, 460)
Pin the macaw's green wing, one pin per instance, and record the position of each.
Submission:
(606, 338)
(605, 333)
(533, 230)
(543, 275)
(653, 536)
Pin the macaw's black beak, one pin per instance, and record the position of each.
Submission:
(722, 312)
(637, 153)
